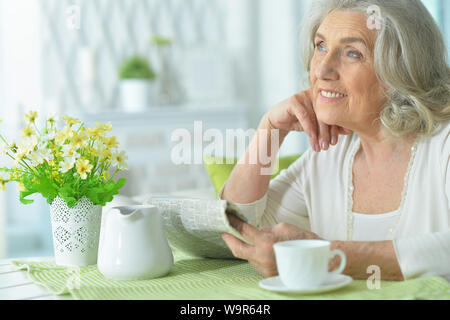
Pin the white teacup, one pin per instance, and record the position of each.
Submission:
(304, 263)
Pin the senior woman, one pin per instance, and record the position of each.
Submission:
(376, 182)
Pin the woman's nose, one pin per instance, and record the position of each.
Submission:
(326, 70)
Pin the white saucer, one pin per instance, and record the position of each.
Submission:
(334, 282)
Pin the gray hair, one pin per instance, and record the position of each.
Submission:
(410, 59)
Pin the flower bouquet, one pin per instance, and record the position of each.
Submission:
(73, 168)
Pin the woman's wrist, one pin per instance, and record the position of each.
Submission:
(266, 124)
(361, 255)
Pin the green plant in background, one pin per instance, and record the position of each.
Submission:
(71, 162)
(136, 67)
(161, 41)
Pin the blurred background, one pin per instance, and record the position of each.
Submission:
(149, 67)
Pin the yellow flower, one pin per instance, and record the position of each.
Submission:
(111, 142)
(64, 135)
(52, 120)
(106, 175)
(31, 116)
(78, 140)
(28, 132)
(104, 127)
(83, 168)
(14, 174)
(21, 187)
(106, 154)
(71, 121)
(95, 132)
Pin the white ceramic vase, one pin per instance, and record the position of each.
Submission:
(76, 232)
(135, 94)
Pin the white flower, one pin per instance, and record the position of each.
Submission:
(3, 150)
(99, 148)
(27, 146)
(69, 151)
(46, 139)
(67, 164)
(41, 155)
(49, 136)
(119, 160)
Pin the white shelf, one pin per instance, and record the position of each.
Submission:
(169, 113)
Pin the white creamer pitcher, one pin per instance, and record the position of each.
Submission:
(133, 245)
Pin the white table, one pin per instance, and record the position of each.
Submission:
(15, 285)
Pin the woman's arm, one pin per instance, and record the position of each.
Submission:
(362, 255)
(246, 183)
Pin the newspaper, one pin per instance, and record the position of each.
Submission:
(195, 226)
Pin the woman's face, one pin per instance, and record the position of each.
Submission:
(343, 63)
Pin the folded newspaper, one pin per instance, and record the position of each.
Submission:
(195, 226)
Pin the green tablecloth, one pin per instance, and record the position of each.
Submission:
(210, 279)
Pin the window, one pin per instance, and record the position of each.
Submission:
(434, 6)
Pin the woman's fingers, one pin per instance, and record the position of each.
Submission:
(307, 118)
(298, 114)
(239, 248)
(329, 135)
(334, 135)
(324, 136)
(249, 232)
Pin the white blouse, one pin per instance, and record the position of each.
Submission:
(373, 227)
(316, 193)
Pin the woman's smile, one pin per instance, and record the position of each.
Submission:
(330, 97)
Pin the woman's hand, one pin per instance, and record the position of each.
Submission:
(261, 255)
(297, 114)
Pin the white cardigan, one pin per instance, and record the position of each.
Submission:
(313, 194)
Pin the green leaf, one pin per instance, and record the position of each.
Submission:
(101, 195)
(25, 194)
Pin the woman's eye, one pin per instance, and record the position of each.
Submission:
(319, 46)
(355, 54)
